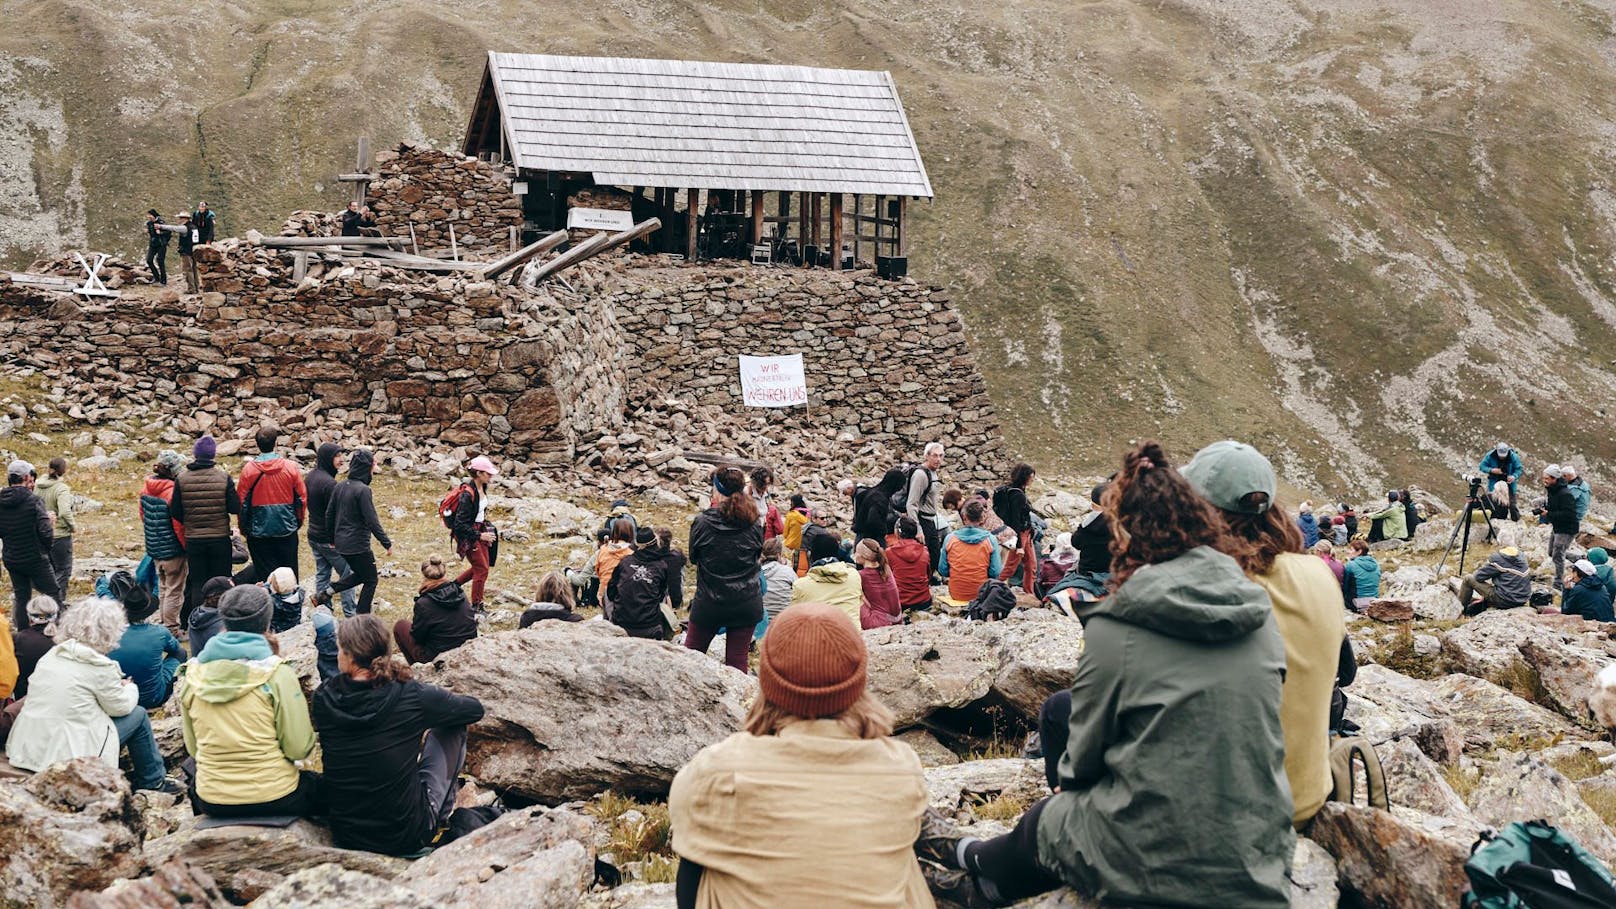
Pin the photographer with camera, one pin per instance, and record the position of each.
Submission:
(1560, 512)
(1502, 463)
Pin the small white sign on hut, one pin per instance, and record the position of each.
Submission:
(599, 219)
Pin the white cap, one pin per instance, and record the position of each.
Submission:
(1568, 470)
(1585, 568)
(19, 468)
(1553, 470)
(1503, 448)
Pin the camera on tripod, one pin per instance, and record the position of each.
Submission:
(1476, 481)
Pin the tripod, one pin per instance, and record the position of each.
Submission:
(1472, 502)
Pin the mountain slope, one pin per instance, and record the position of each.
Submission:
(1369, 237)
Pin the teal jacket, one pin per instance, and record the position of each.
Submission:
(1173, 787)
(1361, 577)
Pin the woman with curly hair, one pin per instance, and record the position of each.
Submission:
(1171, 789)
(726, 546)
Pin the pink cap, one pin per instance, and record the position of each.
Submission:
(483, 465)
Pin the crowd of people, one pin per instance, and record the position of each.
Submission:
(194, 228)
(1204, 603)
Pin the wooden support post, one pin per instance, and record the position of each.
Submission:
(902, 240)
(300, 265)
(757, 216)
(836, 231)
(692, 203)
(880, 206)
(858, 225)
(362, 164)
(818, 217)
(516, 237)
(802, 226)
(454, 248)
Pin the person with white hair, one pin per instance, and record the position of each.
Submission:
(921, 503)
(33, 642)
(1578, 487)
(79, 704)
(1504, 581)
(1559, 511)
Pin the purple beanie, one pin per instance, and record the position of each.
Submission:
(205, 449)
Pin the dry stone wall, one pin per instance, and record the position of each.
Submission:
(431, 190)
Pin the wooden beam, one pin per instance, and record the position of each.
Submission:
(858, 216)
(802, 224)
(880, 201)
(692, 202)
(572, 256)
(633, 233)
(293, 242)
(903, 238)
(836, 231)
(500, 266)
(817, 216)
(757, 216)
(362, 164)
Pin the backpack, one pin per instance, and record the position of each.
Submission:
(1001, 502)
(994, 600)
(451, 504)
(1346, 754)
(114, 584)
(898, 505)
(1531, 865)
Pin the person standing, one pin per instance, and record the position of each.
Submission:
(1560, 513)
(203, 500)
(476, 541)
(1502, 463)
(921, 502)
(1580, 491)
(203, 219)
(189, 240)
(156, 248)
(726, 546)
(318, 484)
(353, 519)
(165, 541)
(1011, 505)
(274, 505)
(25, 542)
(58, 498)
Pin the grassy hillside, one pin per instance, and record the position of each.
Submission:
(1368, 236)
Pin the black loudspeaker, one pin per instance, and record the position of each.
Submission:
(892, 208)
(892, 267)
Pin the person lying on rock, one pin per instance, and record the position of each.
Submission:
(393, 746)
(245, 720)
(1182, 663)
(1239, 481)
(814, 804)
(80, 705)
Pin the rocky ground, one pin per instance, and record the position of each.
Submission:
(1479, 722)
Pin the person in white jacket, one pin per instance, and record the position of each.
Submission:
(80, 705)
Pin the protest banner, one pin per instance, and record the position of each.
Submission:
(773, 381)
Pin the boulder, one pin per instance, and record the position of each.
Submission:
(70, 827)
(1555, 657)
(1409, 578)
(1313, 877)
(1390, 611)
(174, 884)
(1520, 786)
(247, 861)
(329, 885)
(632, 896)
(932, 753)
(1436, 603)
(575, 709)
(1387, 704)
(536, 858)
(1390, 862)
(960, 787)
(1413, 780)
(1041, 649)
(1566, 676)
(919, 669)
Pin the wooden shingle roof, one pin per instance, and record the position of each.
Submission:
(683, 124)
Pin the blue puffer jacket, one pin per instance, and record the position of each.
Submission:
(1309, 525)
(162, 542)
(1361, 577)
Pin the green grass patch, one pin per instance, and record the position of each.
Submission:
(1004, 808)
(1463, 781)
(639, 832)
(1578, 766)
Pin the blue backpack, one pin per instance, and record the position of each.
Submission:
(1531, 865)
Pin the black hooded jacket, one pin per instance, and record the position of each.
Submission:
(639, 584)
(25, 527)
(320, 482)
(873, 512)
(443, 619)
(726, 557)
(1561, 510)
(371, 738)
(352, 514)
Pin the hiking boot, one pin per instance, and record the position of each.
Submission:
(939, 839)
(480, 610)
(171, 786)
(953, 887)
(323, 598)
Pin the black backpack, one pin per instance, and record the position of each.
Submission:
(994, 600)
(1532, 865)
(898, 505)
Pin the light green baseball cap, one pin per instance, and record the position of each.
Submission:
(1224, 473)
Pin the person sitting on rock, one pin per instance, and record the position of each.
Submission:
(1500, 501)
(148, 654)
(751, 815)
(881, 607)
(1183, 658)
(609, 556)
(726, 546)
(830, 580)
(1504, 580)
(1326, 552)
(970, 554)
(910, 564)
(245, 720)
(444, 619)
(1239, 481)
(555, 602)
(288, 597)
(1307, 524)
(393, 746)
(1338, 530)
(1360, 577)
(647, 579)
(1585, 596)
(1391, 522)
(1602, 567)
(30, 644)
(778, 578)
(204, 621)
(79, 704)
(811, 531)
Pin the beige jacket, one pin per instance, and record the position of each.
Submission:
(809, 818)
(72, 697)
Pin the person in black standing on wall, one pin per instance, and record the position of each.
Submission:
(203, 501)
(156, 248)
(188, 241)
(353, 521)
(202, 219)
(350, 220)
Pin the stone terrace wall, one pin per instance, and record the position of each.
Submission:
(431, 190)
